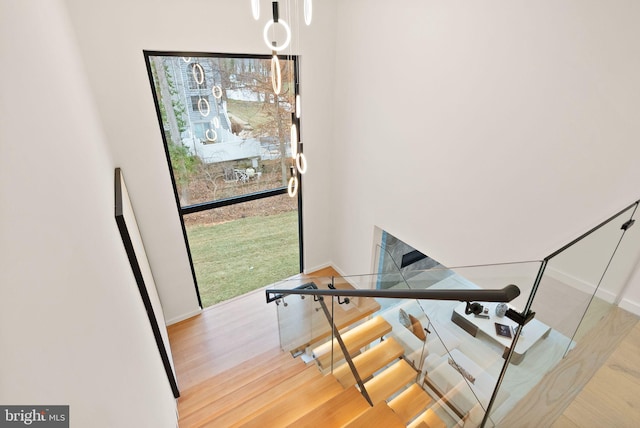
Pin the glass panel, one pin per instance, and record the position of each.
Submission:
(304, 327)
(239, 248)
(573, 280)
(484, 339)
(301, 320)
(224, 129)
(576, 289)
(430, 347)
(472, 342)
(621, 268)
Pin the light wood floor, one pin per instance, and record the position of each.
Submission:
(222, 337)
(552, 403)
(231, 352)
(227, 335)
(612, 397)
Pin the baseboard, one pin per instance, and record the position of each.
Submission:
(183, 317)
(337, 269)
(580, 284)
(607, 296)
(308, 271)
(324, 266)
(630, 306)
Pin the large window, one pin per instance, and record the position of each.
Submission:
(226, 136)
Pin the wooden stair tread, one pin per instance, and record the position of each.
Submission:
(256, 401)
(354, 339)
(386, 383)
(428, 419)
(410, 402)
(295, 404)
(379, 415)
(336, 412)
(369, 362)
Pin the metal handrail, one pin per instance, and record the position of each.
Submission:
(505, 294)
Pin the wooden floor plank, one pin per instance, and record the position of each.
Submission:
(558, 388)
(612, 396)
(564, 422)
(379, 415)
(295, 404)
(240, 375)
(233, 387)
(338, 411)
(221, 337)
(247, 401)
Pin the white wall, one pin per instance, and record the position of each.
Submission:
(483, 132)
(604, 259)
(112, 36)
(507, 128)
(73, 328)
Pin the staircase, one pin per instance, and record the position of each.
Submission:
(298, 395)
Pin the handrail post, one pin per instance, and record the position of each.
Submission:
(345, 352)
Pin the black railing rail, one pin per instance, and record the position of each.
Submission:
(505, 294)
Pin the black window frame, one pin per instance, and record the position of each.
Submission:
(205, 206)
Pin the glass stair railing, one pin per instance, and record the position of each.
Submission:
(389, 347)
(457, 346)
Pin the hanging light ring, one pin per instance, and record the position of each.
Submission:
(293, 140)
(276, 75)
(198, 73)
(211, 135)
(216, 91)
(287, 30)
(203, 107)
(255, 9)
(308, 11)
(292, 188)
(301, 163)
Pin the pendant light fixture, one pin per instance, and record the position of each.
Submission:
(308, 11)
(271, 24)
(292, 187)
(211, 135)
(301, 163)
(203, 107)
(276, 73)
(294, 139)
(255, 9)
(198, 73)
(216, 91)
(298, 164)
